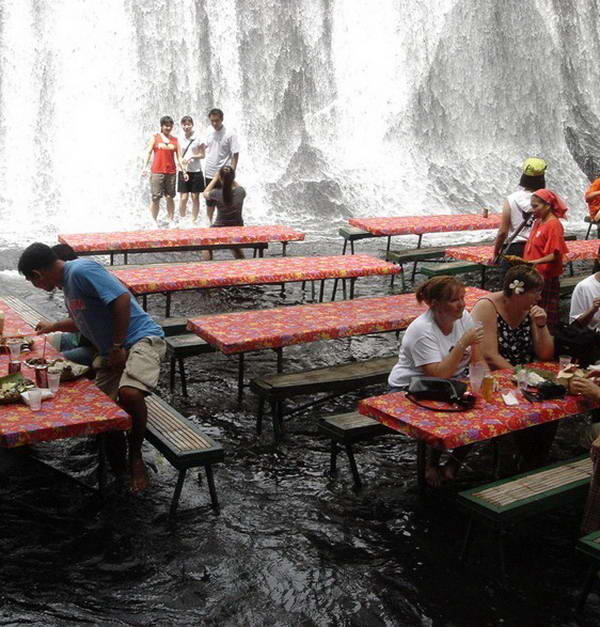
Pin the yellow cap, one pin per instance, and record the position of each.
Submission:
(534, 166)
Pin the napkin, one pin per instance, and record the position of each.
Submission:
(46, 394)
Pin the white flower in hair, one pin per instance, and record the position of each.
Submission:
(518, 287)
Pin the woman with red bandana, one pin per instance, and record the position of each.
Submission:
(545, 248)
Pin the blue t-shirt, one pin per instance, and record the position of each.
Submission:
(89, 290)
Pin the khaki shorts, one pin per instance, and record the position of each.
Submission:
(141, 370)
(162, 185)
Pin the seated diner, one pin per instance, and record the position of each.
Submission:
(515, 332)
(439, 343)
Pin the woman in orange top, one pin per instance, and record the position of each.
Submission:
(592, 197)
(545, 248)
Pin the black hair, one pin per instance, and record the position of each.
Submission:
(216, 112)
(227, 176)
(36, 256)
(64, 252)
(187, 118)
(532, 183)
(166, 119)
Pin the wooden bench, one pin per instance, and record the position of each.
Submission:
(589, 547)
(173, 326)
(179, 347)
(352, 234)
(452, 268)
(414, 256)
(505, 502)
(183, 444)
(27, 312)
(334, 380)
(346, 429)
(568, 283)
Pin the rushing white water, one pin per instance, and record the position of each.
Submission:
(404, 107)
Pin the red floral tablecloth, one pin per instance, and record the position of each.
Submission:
(417, 225)
(580, 249)
(484, 421)
(185, 276)
(274, 328)
(78, 409)
(173, 238)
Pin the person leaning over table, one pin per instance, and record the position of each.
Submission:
(229, 199)
(515, 332)
(439, 343)
(545, 249)
(130, 344)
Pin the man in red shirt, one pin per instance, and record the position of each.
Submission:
(166, 150)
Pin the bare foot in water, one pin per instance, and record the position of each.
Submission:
(139, 476)
(450, 470)
(433, 476)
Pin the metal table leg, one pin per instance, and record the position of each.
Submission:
(240, 378)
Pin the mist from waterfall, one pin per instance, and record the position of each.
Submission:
(409, 107)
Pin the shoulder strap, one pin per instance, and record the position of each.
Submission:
(186, 148)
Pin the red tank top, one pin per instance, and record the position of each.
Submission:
(164, 158)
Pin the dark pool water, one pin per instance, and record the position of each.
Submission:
(291, 546)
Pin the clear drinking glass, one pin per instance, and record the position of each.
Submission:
(54, 380)
(35, 399)
(477, 371)
(522, 379)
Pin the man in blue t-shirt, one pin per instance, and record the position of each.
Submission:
(130, 344)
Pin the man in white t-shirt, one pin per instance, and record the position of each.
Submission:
(192, 151)
(222, 148)
(585, 303)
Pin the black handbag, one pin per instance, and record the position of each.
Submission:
(449, 391)
(581, 343)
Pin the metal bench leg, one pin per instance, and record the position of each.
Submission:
(344, 292)
(587, 235)
(345, 246)
(275, 411)
(279, 353)
(145, 302)
(168, 305)
(466, 542)
(482, 277)
(333, 292)
(389, 243)
(352, 246)
(125, 259)
(172, 363)
(210, 479)
(240, 378)
(284, 249)
(353, 468)
(312, 291)
(259, 415)
(322, 290)
(421, 463)
(352, 282)
(182, 376)
(333, 458)
(587, 587)
(112, 255)
(177, 493)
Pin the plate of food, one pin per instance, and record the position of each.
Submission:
(69, 369)
(11, 387)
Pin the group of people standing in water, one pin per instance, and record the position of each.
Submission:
(508, 328)
(176, 167)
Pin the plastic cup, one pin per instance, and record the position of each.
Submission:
(35, 399)
(14, 348)
(477, 371)
(54, 380)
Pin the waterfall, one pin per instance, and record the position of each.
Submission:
(408, 107)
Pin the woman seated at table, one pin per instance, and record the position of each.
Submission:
(229, 197)
(438, 344)
(545, 248)
(515, 332)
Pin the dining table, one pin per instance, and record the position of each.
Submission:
(238, 333)
(78, 408)
(175, 239)
(487, 419)
(174, 277)
(423, 224)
